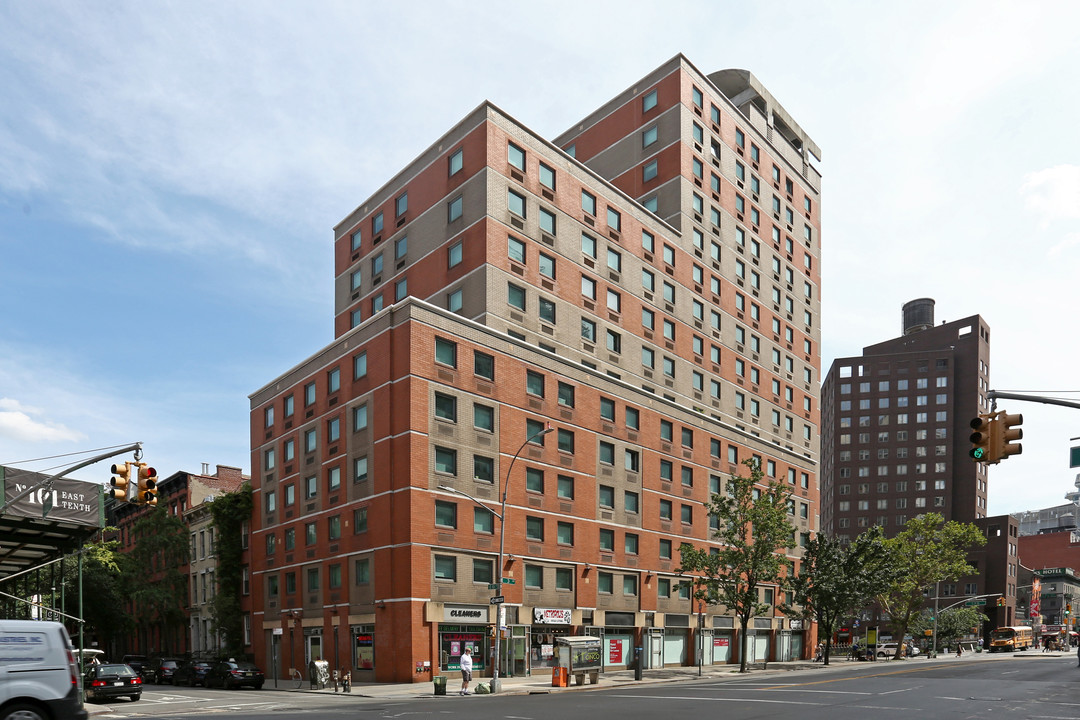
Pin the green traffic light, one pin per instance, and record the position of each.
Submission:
(978, 453)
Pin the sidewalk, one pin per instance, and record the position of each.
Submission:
(541, 681)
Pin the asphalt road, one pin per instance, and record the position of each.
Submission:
(1027, 686)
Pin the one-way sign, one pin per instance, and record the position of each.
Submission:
(497, 600)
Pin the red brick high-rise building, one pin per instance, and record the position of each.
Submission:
(647, 286)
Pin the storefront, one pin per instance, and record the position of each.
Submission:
(363, 643)
(461, 629)
(723, 639)
(676, 639)
(618, 643)
(548, 623)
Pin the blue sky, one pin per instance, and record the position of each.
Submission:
(170, 174)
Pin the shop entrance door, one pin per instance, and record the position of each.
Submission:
(656, 648)
(516, 652)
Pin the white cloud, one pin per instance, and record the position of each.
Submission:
(17, 424)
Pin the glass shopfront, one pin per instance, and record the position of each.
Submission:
(548, 623)
(363, 647)
(453, 639)
(618, 643)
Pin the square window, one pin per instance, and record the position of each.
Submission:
(515, 203)
(445, 352)
(483, 469)
(588, 203)
(534, 528)
(534, 383)
(445, 567)
(547, 176)
(515, 156)
(483, 365)
(445, 514)
(446, 460)
(484, 417)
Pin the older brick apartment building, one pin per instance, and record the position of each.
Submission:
(647, 285)
(182, 494)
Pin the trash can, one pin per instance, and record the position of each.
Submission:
(440, 684)
(560, 677)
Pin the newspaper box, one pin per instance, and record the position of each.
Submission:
(580, 655)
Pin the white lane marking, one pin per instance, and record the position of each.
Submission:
(890, 692)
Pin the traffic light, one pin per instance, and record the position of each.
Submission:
(147, 485)
(121, 483)
(982, 438)
(1006, 430)
(1068, 610)
(1001, 602)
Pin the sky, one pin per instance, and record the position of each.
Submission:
(170, 174)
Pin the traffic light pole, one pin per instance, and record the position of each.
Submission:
(993, 395)
(46, 484)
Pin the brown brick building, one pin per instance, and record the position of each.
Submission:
(648, 285)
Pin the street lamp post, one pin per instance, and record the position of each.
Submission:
(496, 685)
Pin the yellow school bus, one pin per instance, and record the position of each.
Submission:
(1009, 639)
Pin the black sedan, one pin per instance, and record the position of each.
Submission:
(113, 680)
(191, 674)
(231, 674)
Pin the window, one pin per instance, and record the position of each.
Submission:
(483, 365)
(445, 567)
(445, 407)
(360, 469)
(515, 202)
(445, 352)
(454, 209)
(566, 441)
(606, 453)
(483, 521)
(687, 515)
(630, 544)
(445, 514)
(534, 480)
(565, 488)
(629, 585)
(333, 527)
(534, 528)
(565, 533)
(588, 287)
(607, 540)
(547, 221)
(649, 101)
(566, 394)
(588, 203)
(631, 502)
(456, 161)
(310, 440)
(588, 330)
(515, 296)
(483, 469)
(665, 509)
(311, 533)
(313, 580)
(564, 579)
(547, 176)
(534, 576)
(360, 417)
(515, 156)
(484, 417)
(534, 383)
(483, 571)
(445, 460)
(515, 249)
(453, 255)
(614, 219)
(649, 136)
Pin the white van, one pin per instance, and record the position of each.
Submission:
(38, 676)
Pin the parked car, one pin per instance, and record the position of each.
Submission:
(162, 669)
(38, 671)
(888, 650)
(111, 680)
(191, 674)
(138, 663)
(231, 674)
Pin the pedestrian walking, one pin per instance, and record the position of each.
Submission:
(466, 670)
(819, 652)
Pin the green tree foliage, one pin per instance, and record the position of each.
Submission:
(230, 511)
(753, 531)
(157, 582)
(103, 590)
(928, 551)
(952, 624)
(835, 578)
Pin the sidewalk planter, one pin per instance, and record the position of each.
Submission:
(440, 684)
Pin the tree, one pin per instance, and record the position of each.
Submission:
(928, 551)
(229, 512)
(157, 582)
(835, 578)
(752, 530)
(952, 624)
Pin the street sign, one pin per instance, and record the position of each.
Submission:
(974, 603)
(493, 586)
(498, 600)
(508, 581)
